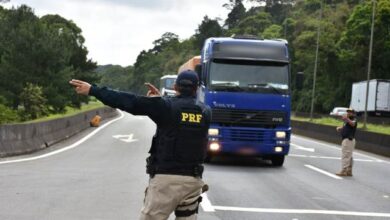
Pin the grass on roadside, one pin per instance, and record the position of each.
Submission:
(70, 111)
(382, 129)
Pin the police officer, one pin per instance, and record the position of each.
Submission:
(347, 132)
(178, 147)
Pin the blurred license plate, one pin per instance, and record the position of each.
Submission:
(247, 151)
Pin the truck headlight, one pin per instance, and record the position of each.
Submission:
(213, 132)
(278, 149)
(280, 134)
(215, 146)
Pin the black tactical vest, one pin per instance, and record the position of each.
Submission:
(348, 131)
(180, 142)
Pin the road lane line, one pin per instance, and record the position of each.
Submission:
(297, 155)
(338, 148)
(299, 147)
(302, 211)
(206, 204)
(330, 158)
(323, 171)
(125, 138)
(67, 147)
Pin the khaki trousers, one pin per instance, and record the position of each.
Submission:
(347, 147)
(167, 193)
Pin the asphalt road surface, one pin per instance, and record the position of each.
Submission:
(100, 174)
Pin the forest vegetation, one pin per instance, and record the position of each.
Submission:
(38, 55)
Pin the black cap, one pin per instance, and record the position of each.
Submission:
(187, 78)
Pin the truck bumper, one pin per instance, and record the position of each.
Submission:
(249, 141)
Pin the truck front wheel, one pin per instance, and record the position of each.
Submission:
(277, 160)
(208, 158)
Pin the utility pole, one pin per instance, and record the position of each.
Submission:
(315, 65)
(369, 62)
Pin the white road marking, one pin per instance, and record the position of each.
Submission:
(206, 204)
(125, 138)
(338, 148)
(332, 158)
(67, 147)
(323, 172)
(302, 211)
(140, 117)
(299, 147)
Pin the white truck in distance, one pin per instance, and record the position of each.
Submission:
(378, 97)
(166, 85)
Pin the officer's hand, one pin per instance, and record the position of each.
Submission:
(81, 87)
(338, 129)
(152, 90)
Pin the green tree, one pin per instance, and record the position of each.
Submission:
(116, 77)
(67, 38)
(237, 12)
(208, 28)
(353, 47)
(19, 31)
(164, 58)
(33, 102)
(254, 25)
(277, 8)
(273, 31)
(45, 51)
(7, 115)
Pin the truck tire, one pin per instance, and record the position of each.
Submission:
(208, 158)
(277, 161)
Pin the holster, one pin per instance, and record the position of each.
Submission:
(150, 168)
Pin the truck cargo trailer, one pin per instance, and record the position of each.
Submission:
(378, 97)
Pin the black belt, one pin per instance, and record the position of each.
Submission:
(196, 171)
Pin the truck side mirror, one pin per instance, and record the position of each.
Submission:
(299, 78)
(198, 70)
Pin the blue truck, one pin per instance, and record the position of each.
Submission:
(246, 83)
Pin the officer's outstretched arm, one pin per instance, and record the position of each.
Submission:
(80, 87)
(152, 90)
(137, 105)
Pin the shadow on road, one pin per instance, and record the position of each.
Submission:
(241, 161)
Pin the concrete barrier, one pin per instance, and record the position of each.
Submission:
(370, 119)
(16, 139)
(367, 141)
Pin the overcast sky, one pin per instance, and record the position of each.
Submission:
(117, 30)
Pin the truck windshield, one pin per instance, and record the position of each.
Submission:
(169, 82)
(250, 76)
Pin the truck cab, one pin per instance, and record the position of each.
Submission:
(246, 82)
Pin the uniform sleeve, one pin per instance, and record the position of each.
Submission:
(208, 115)
(154, 107)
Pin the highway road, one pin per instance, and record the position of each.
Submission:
(100, 174)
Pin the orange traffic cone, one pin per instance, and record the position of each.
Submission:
(95, 122)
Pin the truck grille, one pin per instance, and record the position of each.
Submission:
(248, 135)
(250, 118)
